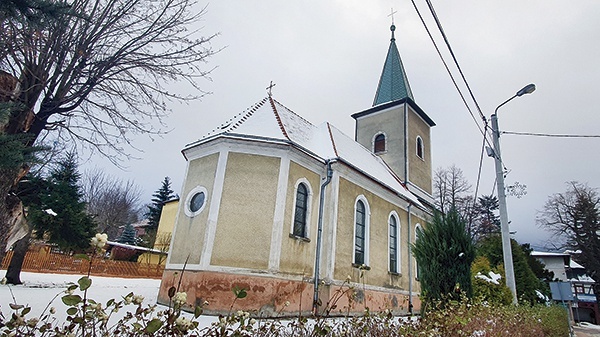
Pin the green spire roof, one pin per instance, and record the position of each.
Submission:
(393, 84)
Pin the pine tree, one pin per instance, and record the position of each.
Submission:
(164, 194)
(444, 252)
(487, 221)
(60, 214)
(128, 236)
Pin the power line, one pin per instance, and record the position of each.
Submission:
(548, 135)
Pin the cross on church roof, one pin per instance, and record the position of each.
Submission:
(392, 14)
(271, 85)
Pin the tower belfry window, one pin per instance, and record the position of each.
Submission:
(379, 143)
(420, 149)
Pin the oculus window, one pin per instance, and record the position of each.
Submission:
(195, 201)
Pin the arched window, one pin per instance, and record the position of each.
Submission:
(361, 233)
(417, 232)
(394, 244)
(379, 143)
(420, 149)
(301, 210)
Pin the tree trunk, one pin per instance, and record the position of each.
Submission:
(13, 273)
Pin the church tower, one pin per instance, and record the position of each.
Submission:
(396, 129)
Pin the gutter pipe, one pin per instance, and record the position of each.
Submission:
(319, 236)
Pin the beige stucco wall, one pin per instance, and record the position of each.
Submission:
(298, 256)
(245, 222)
(189, 236)
(419, 169)
(391, 122)
(163, 234)
(378, 260)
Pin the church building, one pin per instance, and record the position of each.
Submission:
(296, 214)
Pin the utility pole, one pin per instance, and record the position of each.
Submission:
(509, 271)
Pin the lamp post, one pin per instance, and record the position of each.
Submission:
(506, 248)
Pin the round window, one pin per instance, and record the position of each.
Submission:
(195, 201)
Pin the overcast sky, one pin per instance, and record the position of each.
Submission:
(326, 58)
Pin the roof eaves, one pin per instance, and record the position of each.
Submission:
(278, 118)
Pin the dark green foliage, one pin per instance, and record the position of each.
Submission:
(34, 11)
(128, 235)
(486, 221)
(526, 281)
(165, 193)
(444, 252)
(56, 209)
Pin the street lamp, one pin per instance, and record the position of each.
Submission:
(506, 248)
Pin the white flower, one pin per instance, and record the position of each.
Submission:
(32, 322)
(53, 310)
(180, 298)
(252, 321)
(3, 281)
(183, 323)
(287, 303)
(99, 240)
(138, 299)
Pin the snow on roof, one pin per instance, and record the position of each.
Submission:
(269, 119)
(575, 265)
(143, 249)
(549, 254)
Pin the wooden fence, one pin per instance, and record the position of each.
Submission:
(47, 262)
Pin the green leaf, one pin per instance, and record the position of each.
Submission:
(25, 311)
(15, 306)
(84, 283)
(198, 311)
(71, 299)
(72, 311)
(172, 291)
(153, 325)
(72, 287)
(81, 256)
(239, 292)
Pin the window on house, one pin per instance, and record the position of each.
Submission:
(420, 149)
(379, 143)
(417, 269)
(393, 227)
(360, 233)
(300, 213)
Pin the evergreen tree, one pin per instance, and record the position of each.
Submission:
(487, 221)
(444, 252)
(526, 281)
(60, 213)
(128, 236)
(165, 193)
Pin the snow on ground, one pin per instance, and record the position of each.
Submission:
(38, 290)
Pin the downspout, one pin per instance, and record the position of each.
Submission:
(410, 270)
(319, 237)
(406, 143)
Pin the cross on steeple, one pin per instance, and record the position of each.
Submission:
(271, 85)
(392, 12)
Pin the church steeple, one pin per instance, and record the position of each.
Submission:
(393, 83)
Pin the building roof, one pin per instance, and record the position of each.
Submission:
(393, 83)
(270, 121)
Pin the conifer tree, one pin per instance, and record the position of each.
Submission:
(526, 281)
(128, 235)
(162, 195)
(61, 213)
(444, 252)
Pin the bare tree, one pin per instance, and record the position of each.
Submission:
(112, 203)
(451, 190)
(97, 75)
(574, 215)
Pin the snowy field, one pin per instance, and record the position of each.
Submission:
(38, 290)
